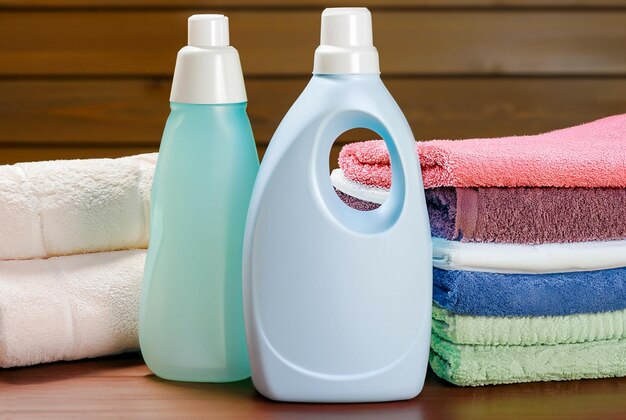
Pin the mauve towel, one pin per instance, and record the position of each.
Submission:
(589, 155)
(496, 294)
(521, 215)
(355, 203)
(528, 215)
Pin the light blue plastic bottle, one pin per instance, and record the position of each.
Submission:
(338, 302)
(191, 324)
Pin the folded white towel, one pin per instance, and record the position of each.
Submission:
(357, 190)
(68, 308)
(537, 259)
(74, 206)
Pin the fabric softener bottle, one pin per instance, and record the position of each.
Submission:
(191, 324)
(338, 301)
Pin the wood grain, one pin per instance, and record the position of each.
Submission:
(276, 42)
(122, 386)
(374, 4)
(132, 112)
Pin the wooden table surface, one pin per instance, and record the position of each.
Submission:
(122, 386)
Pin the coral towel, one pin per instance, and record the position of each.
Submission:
(589, 155)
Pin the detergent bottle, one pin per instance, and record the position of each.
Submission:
(191, 325)
(337, 302)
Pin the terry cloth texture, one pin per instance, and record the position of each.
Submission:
(528, 331)
(533, 259)
(591, 155)
(474, 365)
(510, 215)
(497, 294)
(69, 207)
(70, 307)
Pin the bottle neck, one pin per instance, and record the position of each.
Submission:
(349, 76)
(346, 60)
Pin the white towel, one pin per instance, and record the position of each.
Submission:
(534, 259)
(69, 308)
(363, 192)
(74, 206)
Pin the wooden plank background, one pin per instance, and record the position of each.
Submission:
(91, 78)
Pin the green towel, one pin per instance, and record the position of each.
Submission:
(526, 331)
(474, 365)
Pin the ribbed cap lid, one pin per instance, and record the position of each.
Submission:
(347, 27)
(346, 42)
(207, 31)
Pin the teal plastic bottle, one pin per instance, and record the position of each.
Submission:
(191, 324)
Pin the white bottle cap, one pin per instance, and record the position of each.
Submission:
(208, 70)
(346, 45)
(207, 31)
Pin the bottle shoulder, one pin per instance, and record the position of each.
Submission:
(202, 126)
(326, 95)
(207, 116)
(236, 107)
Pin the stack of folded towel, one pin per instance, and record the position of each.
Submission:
(72, 235)
(529, 250)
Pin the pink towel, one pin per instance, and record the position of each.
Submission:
(589, 155)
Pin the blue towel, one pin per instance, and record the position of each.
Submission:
(497, 294)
